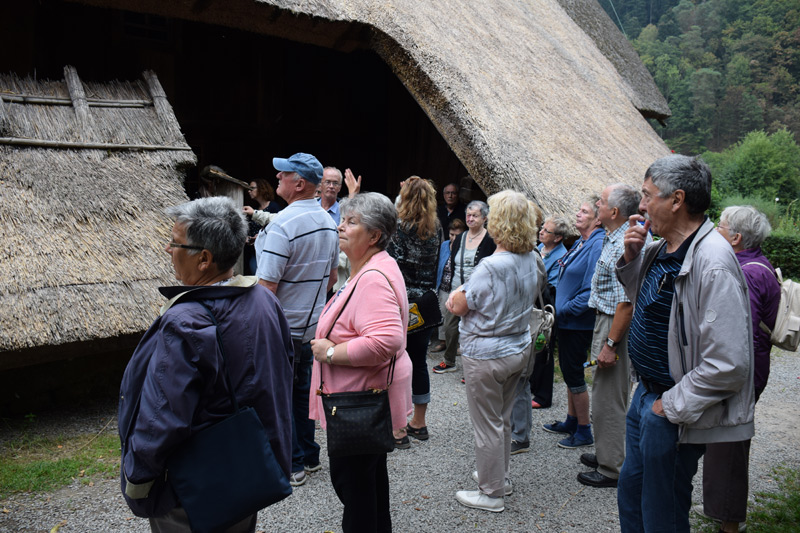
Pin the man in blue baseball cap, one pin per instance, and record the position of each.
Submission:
(298, 257)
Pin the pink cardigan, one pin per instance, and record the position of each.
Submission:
(374, 326)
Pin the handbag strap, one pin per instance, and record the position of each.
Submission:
(390, 374)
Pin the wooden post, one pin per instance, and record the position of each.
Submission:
(79, 102)
(163, 107)
(3, 116)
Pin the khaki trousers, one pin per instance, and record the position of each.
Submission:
(491, 391)
(610, 393)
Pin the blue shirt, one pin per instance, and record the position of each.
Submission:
(551, 262)
(333, 211)
(444, 255)
(575, 283)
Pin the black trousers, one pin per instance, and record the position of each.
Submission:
(541, 379)
(362, 484)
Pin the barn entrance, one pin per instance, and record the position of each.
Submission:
(242, 98)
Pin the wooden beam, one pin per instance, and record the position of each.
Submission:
(17, 141)
(163, 108)
(78, 96)
(55, 100)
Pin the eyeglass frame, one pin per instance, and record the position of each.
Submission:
(186, 246)
(328, 183)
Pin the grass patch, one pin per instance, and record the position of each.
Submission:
(33, 463)
(773, 512)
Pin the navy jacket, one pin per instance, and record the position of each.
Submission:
(575, 284)
(177, 370)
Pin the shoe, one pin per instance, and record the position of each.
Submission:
(596, 479)
(297, 478)
(440, 347)
(478, 500)
(699, 510)
(508, 488)
(574, 441)
(402, 444)
(443, 368)
(417, 433)
(463, 382)
(559, 427)
(590, 460)
(520, 447)
(314, 468)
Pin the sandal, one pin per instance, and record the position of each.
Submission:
(417, 433)
(402, 444)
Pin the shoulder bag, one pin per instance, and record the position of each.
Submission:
(228, 471)
(359, 422)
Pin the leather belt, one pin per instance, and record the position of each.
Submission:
(654, 387)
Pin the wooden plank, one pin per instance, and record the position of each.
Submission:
(163, 107)
(55, 100)
(78, 96)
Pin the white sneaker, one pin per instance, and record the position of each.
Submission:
(297, 478)
(478, 500)
(507, 486)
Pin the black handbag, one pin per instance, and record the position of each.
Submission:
(424, 312)
(228, 471)
(358, 422)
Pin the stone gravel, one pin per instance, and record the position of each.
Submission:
(424, 478)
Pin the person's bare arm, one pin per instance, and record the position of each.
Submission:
(270, 285)
(457, 303)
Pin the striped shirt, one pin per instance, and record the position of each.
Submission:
(298, 250)
(647, 339)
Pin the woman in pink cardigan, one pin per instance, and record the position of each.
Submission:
(356, 354)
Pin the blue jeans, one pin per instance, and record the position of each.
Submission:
(654, 493)
(304, 450)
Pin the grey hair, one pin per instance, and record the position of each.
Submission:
(561, 226)
(375, 211)
(747, 221)
(477, 204)
(216, 224)
(338, 173)
(592, 200)
(689, 174)
(625, 198)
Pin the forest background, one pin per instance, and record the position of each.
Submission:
(730, 71)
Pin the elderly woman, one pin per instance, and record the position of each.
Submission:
(496, 306)
(551, 245)
(354, 347)
(725, 465)
(177, 373)
(468, 250)
(415, 247)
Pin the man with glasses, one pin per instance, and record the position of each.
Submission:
(452, 208)
(329, 192)
(298, 256)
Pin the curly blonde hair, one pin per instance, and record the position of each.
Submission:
(417, 207)
(512, 221)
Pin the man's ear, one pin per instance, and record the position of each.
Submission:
(678, 199)
(204, 261)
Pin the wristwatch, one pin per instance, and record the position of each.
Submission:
(611, 343)
(329, 353)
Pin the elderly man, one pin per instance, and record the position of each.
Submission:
(690, 342)
(298, 255)
(610, 341)
(329, 192)
(452, 208)
(176, 372)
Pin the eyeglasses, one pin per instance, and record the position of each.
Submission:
(187, 246)
(328, 183)
(548, 231)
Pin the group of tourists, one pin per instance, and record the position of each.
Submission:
(340, 300)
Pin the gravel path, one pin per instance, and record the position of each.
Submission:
(424, 479)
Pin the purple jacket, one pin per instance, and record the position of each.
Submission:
(765, 296)
(177, 371)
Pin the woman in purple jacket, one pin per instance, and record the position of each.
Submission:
(725, 476)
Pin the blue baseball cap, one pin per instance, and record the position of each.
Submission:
(306, 165)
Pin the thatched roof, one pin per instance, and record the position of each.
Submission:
(83, 229)
(517, 88)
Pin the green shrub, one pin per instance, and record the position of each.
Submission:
(783, 251)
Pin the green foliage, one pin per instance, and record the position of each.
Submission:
(726, 67)
(782, 251)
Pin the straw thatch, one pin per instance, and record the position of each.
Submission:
(521, 92)
(83, 230)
